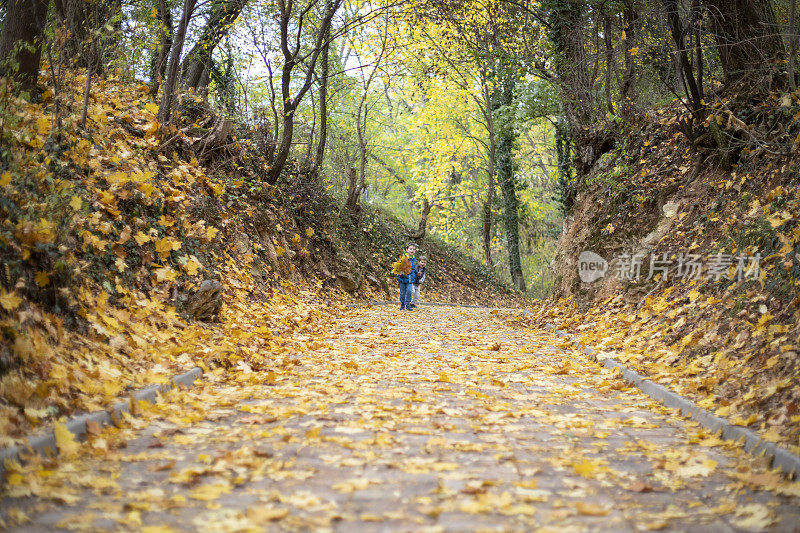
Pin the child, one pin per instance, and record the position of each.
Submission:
(406, 281)
(419, 279)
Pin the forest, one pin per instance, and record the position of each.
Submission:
(476, 122)
(226, 184)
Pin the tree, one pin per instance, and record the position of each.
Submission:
(292, 57)
(503, 109)
(21, 40)
(323, 95)
(92, 29)
(363, 109)
(747, 35)
(197, 64)
(158, 67)
(566, 30)
(165, 108)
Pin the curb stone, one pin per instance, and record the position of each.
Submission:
(45, 444)
(777, 456)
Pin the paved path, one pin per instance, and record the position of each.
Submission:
(438, 420)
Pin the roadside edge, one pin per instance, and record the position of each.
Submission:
(45, 444)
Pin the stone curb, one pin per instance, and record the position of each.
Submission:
(778, 457)
(46, 444)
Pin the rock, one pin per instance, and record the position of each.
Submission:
(378, 283)
(204, 304)
(348, 282)
(272, 254)
(242, 244)
(324, 271)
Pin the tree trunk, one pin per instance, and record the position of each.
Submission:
(165, 110)
(423, 220)
(693, 86)
(747, 35)
(792, 44)
(567, 24)
(351, 203)
(323, 100)
(486, 227)
(21, 39)
(159, 66)
(197, 63)
(630, 18)
(609, 48)
(486, 223)
(290, 61)
(87, 39)
(506, 140)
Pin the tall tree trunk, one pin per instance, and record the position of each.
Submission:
(197, 63)
(323, 98)
(506, 141)
(630, 18)
(290, 61)
(486, 222)
(165, 108)
(21, 39)
(609, 49)
(159, 66)
(693, 86)
(747, 35)
(567, 23)
(792, 44)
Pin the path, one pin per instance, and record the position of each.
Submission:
(438, 420)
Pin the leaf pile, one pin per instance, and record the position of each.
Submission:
(731, 344)
(103, 235)
(402, 266)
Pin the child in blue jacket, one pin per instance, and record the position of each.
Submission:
(406, 281)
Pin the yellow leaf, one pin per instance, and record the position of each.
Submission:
(309, 232)
(157, 529)
(5, 179)
(586, 468)
(166, 245)
(76, 203)
(192, 266)
(591, 509)
(141, 238)
(218, 188)
(9, 300)
(107, 198)
(65, 440)
(263, 513)
(43, 125)
(42, 278)
(165, 274)
(146, 189)
(279, 251)
(152, 108)
(296, 239)
(211, 491)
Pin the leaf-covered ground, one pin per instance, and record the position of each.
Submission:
(105, 231)
(443, 419)
(729, 342)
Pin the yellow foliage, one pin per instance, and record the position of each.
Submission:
(402, 266)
